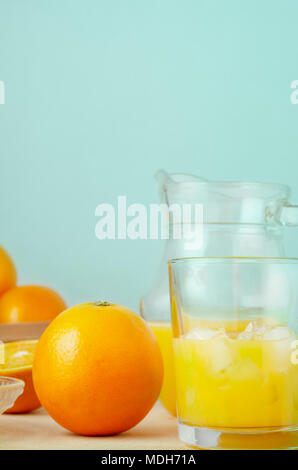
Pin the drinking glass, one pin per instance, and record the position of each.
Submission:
(235, 325)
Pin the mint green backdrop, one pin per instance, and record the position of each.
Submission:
(101, 93)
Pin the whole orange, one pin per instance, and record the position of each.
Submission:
(97, 369)
(30, 303)
(8, 274)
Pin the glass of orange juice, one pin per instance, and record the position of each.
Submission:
(235, 325)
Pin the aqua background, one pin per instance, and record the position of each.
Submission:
(100, 94)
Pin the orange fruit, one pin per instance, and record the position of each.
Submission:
(8, 274)
(18, 360)
(30, 303)
(98, 369)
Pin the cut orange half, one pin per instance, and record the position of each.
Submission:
(17, 360)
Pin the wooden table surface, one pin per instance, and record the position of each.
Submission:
(37, 430)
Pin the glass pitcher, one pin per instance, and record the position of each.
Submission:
(240, 219)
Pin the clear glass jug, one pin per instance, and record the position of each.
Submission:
(240, 219)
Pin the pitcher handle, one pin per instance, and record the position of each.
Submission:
(289, 215)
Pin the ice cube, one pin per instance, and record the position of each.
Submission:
(221, 354)
(254, 330)
(277, 333)
(217, 351)
(204, 333)
(246, 370)
(246, 334)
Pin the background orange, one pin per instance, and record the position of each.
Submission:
(8, 274)
(30, 303)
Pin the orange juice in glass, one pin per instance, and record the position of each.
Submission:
(237, 369)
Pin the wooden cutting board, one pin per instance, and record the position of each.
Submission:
(158, 431)
(37, 430)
